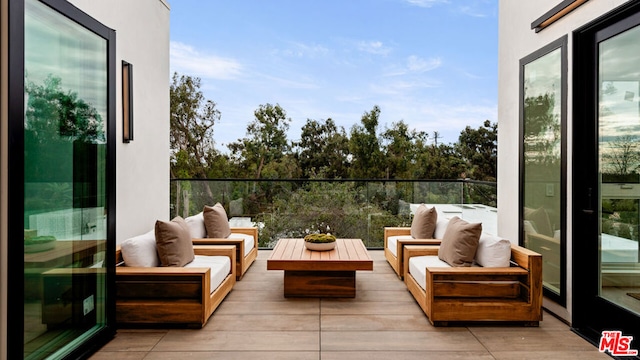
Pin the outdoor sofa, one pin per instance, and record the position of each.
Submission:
(426, 229)
(500, 291)
(171, 282)
(211, 227)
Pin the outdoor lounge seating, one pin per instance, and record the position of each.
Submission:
(151, 296)
(245, 239)
(395, 238)
(475, 294)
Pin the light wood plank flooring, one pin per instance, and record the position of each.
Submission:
(383, 322)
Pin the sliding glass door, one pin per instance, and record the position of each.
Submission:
(619, 154)
(65, 205)
(606, 175)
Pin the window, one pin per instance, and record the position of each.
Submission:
(543, 161)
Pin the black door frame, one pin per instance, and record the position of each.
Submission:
(592, 314)
(15, 302)
(561, 44)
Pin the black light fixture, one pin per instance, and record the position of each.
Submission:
(127, 102)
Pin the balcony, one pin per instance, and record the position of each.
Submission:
(383, 322)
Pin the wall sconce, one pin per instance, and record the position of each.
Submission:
(556, 13)
(127, 102)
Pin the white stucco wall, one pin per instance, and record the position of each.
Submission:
(142, 183)
(142, 173)
(516, 41)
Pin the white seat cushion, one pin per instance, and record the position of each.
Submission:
(418, 267)
(220, 267)
(392, 243)
(140, 251)
(249, 241)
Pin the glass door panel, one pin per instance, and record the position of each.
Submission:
(542, 103)
(619, 165)
(65, 213)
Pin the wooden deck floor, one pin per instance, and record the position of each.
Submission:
(383, 322)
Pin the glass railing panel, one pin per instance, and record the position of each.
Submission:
(346, 208)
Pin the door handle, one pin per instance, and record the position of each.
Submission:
(588, 210)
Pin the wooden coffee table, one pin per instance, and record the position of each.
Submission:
(320, 273)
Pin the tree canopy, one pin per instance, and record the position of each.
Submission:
(324, 150)
(192, 120)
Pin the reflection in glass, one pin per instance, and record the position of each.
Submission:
(542, 115)
(64, 170)
(619, 159)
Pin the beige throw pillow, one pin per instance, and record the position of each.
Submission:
(424, 222)
(173, 241)
(216, 222)
(460, 242)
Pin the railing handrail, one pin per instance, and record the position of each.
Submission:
(470, 181)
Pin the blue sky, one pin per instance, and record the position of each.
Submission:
(430, 63)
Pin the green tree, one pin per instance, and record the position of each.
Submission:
(323, 149)
(58, 123)
(541, 130)
(266, 140)
(400, 146)
(336, 207)
(53, 114)
(479, 148)
(367, 158)
(438, 162)
(192, 121)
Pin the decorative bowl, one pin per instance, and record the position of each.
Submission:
(320, 246)
(39, 243)
(320, 242)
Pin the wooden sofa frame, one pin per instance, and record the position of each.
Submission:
(479, 294)
(397, 262)
(242, 262)
(166, 296)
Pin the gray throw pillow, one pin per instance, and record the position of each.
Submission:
(424, 222)
(216, 222)
(173, 241)
(460, 242)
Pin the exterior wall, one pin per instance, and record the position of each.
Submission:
(517, 40)
(142, 174)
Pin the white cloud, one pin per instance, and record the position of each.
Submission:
(374, 47)
(446, 117)
(301, 82)
(415, 65)
(401, 88)
(188, 60)
(472, 11)
(301, 50)
(476, 8)
(426, 3)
